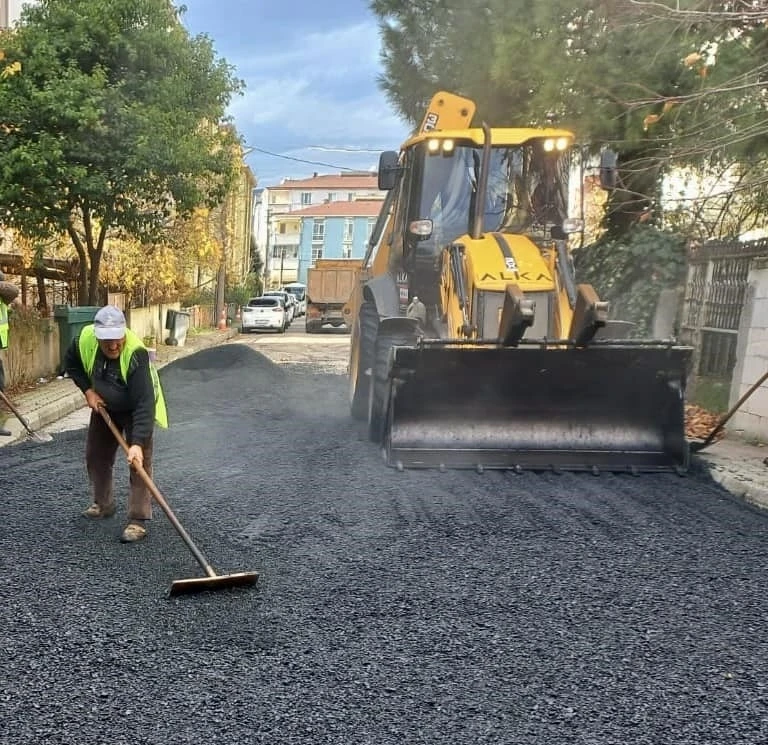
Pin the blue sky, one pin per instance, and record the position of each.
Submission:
(310, 69)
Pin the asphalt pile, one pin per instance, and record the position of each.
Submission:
(418, 607)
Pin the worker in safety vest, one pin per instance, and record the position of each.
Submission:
(111, 366)
(416, 309)
(8, 294)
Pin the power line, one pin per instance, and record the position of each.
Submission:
(343, 149)
(301, 160)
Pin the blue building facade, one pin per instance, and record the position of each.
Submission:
(334, 237)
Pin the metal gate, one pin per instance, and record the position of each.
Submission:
(715, 295)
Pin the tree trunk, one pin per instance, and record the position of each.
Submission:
(42, 298)
(636, 196)
(82, 275)
(93, 277)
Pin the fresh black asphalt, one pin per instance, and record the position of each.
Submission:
(416, 607)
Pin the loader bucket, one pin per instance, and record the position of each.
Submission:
(611, 406)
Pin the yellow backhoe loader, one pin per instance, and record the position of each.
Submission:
(472, 344)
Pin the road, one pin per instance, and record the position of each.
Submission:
(418, 607)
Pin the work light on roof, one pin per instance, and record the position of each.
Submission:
(552, 144)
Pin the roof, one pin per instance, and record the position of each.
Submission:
(499, 135)
(358, 208)
(341, 181)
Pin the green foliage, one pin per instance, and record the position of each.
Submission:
(257, 263)
(239, 295)
(618, 74)
(198, 296)
(631, 272)
(112, 125)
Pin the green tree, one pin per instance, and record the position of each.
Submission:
(113, 127)
(526, 63)
(664, 84)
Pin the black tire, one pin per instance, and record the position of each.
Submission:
(309, 326)
(378, 399)
(360, 383)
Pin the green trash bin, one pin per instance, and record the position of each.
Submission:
(71, 320)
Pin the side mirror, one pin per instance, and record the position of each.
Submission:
(609, 170)
(389, 170)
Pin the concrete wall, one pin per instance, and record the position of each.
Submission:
(33, 350)
(751, 421)
(150, 321)
(14, 9)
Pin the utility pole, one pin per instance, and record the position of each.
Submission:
(268, 251)
(221, 280)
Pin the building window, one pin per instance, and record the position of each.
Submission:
(371, 226)
(282, 227)
(306, 198)
(284, 251)
(346, 251)
(349, 230)
(332, 196)
(317, 253)
(350, 196)
(318, 231)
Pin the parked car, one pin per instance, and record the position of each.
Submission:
(299, 291)
(288, 300)
(264, 313)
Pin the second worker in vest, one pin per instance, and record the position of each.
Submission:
(8, 294)
(111, 366)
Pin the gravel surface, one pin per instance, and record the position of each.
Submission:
(416, 607)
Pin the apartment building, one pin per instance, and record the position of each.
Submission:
(281, 210)
(10, 11)
(336, 230)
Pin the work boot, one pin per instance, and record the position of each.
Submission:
(133, 532)
(96, 511)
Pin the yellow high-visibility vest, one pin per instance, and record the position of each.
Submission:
(89, 345)
(4, 325)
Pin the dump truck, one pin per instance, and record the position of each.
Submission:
(329, 285)
(506, 360)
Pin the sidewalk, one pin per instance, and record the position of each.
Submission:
(736, 465)
(740, 467)
(58, 397)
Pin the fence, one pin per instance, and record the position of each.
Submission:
(725, 319)
(715, 296)
(34, 350)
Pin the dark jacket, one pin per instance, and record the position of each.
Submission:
(8, 292)
(136, 395)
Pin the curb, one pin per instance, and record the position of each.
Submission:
(43, 416)
(71, 402)
(739, 485)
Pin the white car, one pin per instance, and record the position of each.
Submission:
(288, 301)
(299, 291)
(263, 313)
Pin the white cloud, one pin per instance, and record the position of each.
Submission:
(320, 91)
(331, 52)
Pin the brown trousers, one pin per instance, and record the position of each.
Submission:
(100, 450)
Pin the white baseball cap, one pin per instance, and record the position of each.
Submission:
(109, 323)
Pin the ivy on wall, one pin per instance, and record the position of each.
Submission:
(631, 271)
